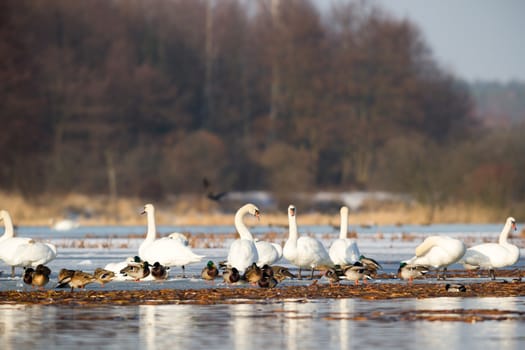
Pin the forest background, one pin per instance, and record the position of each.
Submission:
(108, 104)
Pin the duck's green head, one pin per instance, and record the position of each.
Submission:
(136, 259)
(210, 264)
(403, 264)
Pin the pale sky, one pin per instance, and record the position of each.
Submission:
(474, 39)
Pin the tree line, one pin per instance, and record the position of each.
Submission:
(147, 97)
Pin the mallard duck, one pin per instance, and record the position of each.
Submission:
(370, 263)
(103, 276)
(41, 276)
(137, 272)
(455, 288)
(159, 272)
(28, 276)
(409, 272)
(280, 273)
(333, 276)
(64, 275)
(231, 275)
(75, 279)
(356, 272)
(253, 273)
(267, 279)
(210, 271)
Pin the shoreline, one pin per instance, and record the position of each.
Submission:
(238, 295)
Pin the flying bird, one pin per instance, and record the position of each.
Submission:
(214, 196)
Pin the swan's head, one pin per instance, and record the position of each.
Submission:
(3, 214)
(253, 210)
(344, 210)
(148, 208)
(512, 222)
(291, 210)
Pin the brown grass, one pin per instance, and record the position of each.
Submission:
(222, 295)
(192, 210)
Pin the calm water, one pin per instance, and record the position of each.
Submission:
(292, 325)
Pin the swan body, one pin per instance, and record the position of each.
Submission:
(493, 255)
(22, 251)
(243, 251)
(180, 237)
(167, 251)
(269, 252)
(65, 225)
(344, 251)
(438, 252)
(304, 252)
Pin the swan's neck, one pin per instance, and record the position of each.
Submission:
(9, 232)
(244, 233)
(152, 229)
(505, 234)
(344, 226)
(292, 223)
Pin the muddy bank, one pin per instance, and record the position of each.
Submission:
(250, 294)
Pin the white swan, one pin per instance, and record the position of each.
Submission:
(269, 252)
(344, 251)
(167, 251)
(180, 237)
(22, 251)
(438, 252)
(243, 252)
(493, 255)
(64, 225)
(304, 252)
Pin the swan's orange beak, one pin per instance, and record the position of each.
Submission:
(258, 215)
(143, 211)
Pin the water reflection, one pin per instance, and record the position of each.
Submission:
(293, 325)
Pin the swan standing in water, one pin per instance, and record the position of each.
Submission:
(167, 251)
(438, 252)
(344, 251)
(304, 252)
(493, 255)
(243, 252)
(22, 251)
(268, 252)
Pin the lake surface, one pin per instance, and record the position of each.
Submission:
(304, 324)
(294, 325)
